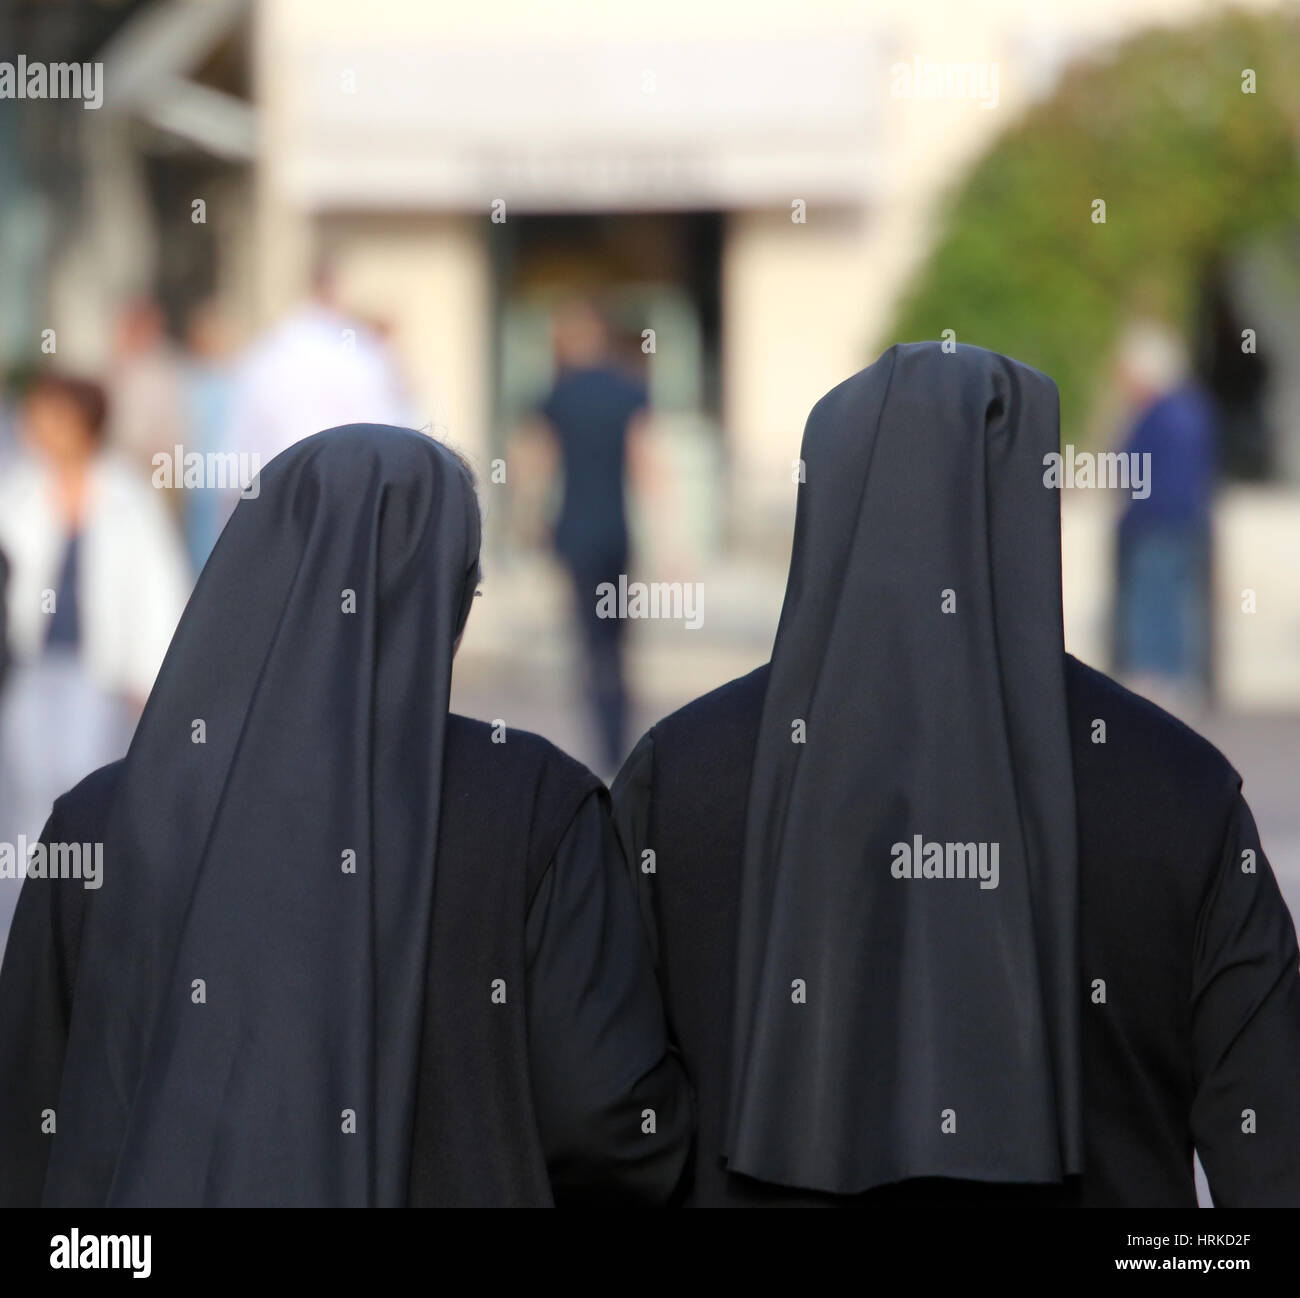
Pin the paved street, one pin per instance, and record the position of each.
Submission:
(538, 692)
(518, 663)
(1266, 750)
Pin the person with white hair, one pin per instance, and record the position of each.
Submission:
(319, 367)
(1163, 551)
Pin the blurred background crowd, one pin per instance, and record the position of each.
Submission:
(613, 254)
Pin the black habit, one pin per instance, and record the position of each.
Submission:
(348, 949)
(938, 909)
(1195, 957)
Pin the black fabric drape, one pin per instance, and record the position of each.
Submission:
(1191, 1019)
(245, 1024)
(534, 1097)
(888, 1028)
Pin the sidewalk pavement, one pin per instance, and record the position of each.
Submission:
(519, 663)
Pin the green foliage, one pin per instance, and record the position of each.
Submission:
(1189, 167)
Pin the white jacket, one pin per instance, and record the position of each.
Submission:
(133, 578)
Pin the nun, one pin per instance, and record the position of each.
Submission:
(939, 912)
(345, 948)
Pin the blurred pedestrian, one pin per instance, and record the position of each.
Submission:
(208, 383)
(1163, 552)
(148, 411)
(97, 581)
(595, 413)
(318, 368)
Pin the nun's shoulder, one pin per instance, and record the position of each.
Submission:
(84, 808)
(712, 736)
(512, 794)
(1126, 747)
(720, 714)
(479, 752)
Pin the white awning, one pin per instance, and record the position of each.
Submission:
(600, 125)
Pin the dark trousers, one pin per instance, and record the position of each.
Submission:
(602, 647)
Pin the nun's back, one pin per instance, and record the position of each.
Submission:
(1191, 1023)
(522, 1095)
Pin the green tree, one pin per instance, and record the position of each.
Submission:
(1188, 164)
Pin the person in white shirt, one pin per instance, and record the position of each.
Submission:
(98, 580)
(318, 368)
(147, 410)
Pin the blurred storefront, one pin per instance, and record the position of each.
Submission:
(752, 183)
(710, 185)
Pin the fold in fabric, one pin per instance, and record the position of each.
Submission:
(250, 986)
(896, 1017)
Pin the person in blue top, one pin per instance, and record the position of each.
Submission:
(593, 411)
(1163, 552)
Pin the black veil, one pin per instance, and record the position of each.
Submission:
(246, 1016)
(926, 1025)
